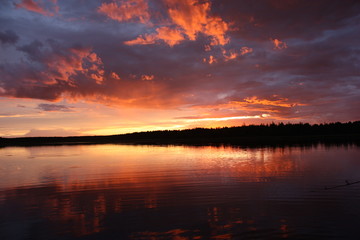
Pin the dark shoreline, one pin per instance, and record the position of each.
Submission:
(253, 135)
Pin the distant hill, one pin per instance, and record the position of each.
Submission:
(280, 133)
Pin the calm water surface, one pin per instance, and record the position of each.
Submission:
(179, 192)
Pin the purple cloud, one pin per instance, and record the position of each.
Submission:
(8, 37)
(54, 107)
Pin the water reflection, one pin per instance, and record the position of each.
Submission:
(146, 192)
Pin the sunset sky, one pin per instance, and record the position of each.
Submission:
(94, 67)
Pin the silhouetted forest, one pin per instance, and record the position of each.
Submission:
(289, 133)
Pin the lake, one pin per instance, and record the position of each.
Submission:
(179, 192)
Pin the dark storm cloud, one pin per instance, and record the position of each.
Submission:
(314, 71)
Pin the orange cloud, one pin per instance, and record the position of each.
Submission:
(168, 35)
(229, 55)
(188, 18)
(129, 93)
(194, 17)
(211, 60)
(278, 44)
(224, 118)
(115, 76)
(207, 48)
(142, 40)
(245, 50)
(33, 6)
(130, 10)
(233, 53)
(63, 67)
(251, 107)
(147, 77)
(280, 102)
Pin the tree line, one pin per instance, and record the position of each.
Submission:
(263, 133)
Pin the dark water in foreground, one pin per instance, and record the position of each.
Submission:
(178, 192)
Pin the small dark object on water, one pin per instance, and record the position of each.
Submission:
(342, 185)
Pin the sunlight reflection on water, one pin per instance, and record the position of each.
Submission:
(178, 192)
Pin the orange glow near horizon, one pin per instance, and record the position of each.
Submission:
(108, 120)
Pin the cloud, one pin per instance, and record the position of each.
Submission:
(278, 44)
(143, 40)
(273, 107)
(186, 20)
(64, 64)
(217, 119)
(33, 50)
(267, 18)
(8, 37)
(235, 53)
(194, 17)
(36, 6)
(54, 107)
(210, 60)
(245, 50)
(51, 70)
(128, 10)
(275, 101)
(11, 115)
(169, 35)
(165, 34)
(90, 62)
(147, 77)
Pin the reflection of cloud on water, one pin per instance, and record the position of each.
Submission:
(133, 164)
(165, 207)
(134, 213)
(139, 192)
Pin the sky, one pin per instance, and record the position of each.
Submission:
(98, 67)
